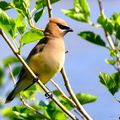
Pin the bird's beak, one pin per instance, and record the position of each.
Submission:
(69, 29)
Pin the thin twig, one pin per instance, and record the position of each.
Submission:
(100, 6)
(24, 103)
(80, 115)
(63, 94)
(34, 76)
(49, 8)
(69, 89)
(106, 33)
(56, 101)
(11, 73)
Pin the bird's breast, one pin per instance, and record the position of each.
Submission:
(48, 62)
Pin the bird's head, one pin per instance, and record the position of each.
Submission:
(57, 27)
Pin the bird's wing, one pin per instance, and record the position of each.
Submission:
(38, 48)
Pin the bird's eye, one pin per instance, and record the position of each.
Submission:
(63, 27)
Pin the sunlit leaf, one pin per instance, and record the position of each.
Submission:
(7, 24)
(80, 12)
(92, 37)
(83, 99)
(21, 24)
(8, 112)
(59, 115)
(42, 3)
(31, 36)
(111, 62)
(113, 53)
(106, 23)
(86, 98)
(57, 93)
(30, 92)
(109, 82)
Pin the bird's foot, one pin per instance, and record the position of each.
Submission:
(35, 79)
(48, 95)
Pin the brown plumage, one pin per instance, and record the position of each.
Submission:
(46, 58)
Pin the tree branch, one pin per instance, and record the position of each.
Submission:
(34, 76)
(24, 103)
(63, 94)
(106, 33)
(69, 89)
(49, 8)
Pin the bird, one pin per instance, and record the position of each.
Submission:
(46, 59)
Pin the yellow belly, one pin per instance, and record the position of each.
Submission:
(46, 68)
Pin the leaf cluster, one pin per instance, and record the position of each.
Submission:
(111, 27)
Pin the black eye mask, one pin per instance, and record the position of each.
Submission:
(63, 27)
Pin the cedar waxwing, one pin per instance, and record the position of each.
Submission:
(46, 58)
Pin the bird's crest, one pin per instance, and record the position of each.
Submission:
(58, 20)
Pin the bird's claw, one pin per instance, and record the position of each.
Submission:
(48, 95)
(35, 79)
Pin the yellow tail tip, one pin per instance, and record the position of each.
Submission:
(7, 101)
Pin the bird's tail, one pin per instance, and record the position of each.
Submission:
(21, 85)
(10, 96)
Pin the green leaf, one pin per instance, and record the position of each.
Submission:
(116, 78)
(10, 60)
(80, 12)
(42, 103)
(57, 93)
(16, 70)
(59, 115)
(31, 36)
(38, 15)
(92, 37)
(5, 5)
(106, 23)
(19, 109)
(109, 82)
(111, 62)
(1, 75)
(82, 98)
(51, 107)
(21, 24)
(30, 92)
(8, 112)
(42, 3)
(118, 32)
(22, 6)
(7, 24)
(86, 98)
(113, 53)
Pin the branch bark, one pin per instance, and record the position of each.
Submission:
(106, 33)
(69, 89)
(23, 101)
(49, 8)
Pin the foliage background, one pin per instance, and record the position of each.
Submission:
(83, 62)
